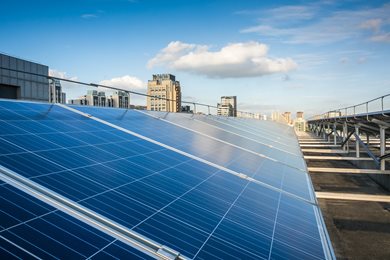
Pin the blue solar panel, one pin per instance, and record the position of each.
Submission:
(172, 135)
(295, 180)
(239, 128)
(33, 229)
(197, 209)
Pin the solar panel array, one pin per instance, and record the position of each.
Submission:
(202, 187)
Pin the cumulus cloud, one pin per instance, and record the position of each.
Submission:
(248, 59)
(125, 82)
(60, 74)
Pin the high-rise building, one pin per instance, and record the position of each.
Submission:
(186, 109)
(228, 106)
(224, 110)
(21, 79)
(119, 99)
(243, 114)
(167, 91)
(281, 118)
(299, 123)
(96, 98)
(287, 116)
(55, 92)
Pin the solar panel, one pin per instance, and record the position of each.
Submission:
(224, 154)
(174, 135)
(234, 135)
(189, 205)
(31, 228)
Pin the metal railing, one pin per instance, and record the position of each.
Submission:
(379, 105)
(208, 107)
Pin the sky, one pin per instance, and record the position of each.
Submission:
(310, 56)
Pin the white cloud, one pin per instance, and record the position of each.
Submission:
(382, 37)
(289, 13)
(372, 24)
(125, 82)
(324, 27)
(248, 59)
(89, 16)
(60, 74)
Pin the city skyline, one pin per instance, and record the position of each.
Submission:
(283, 55)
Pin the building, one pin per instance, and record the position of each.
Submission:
(243, 114)
(55, 92)
(224, 110)
(186, 109)
(79, 101)
(228, 106)
(119, 99)
(278, 117)
(96, 98)
(299, 123)
(21, 79)
(334, 114)
(287, 116)
(167, 91)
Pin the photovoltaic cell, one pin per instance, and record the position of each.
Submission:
(295, 180)
(190, 206)
(33, 229)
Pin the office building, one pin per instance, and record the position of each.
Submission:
(224, 110)
(280, 117)
(334, 114)
(186, 109)
(97, 98)
(167, 91)
(118, 99)
(287, 116)
(21, 79)
(299, 123)
(55, 92)
(228, 106)
(245, 114)
(79, 101)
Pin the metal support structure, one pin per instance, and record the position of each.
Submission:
(345, 137)
(334, 133)
(323, 131)
(329, 132)
(345, 142)
(382, 145)
(357, 145)
(367, 149)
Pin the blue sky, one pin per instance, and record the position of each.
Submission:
(274, 55)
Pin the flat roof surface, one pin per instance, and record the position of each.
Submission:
(357, 229)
